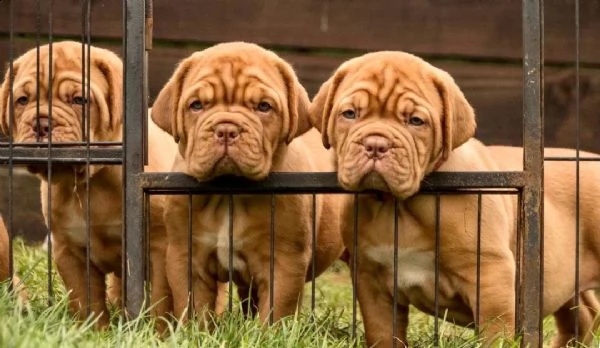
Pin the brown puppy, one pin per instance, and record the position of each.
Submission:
(235, 109)
(68, 183)
(392, 118)
(4, 261)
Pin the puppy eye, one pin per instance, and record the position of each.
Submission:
(349, 114)
(196, 105)
(263, 106)
(22, 100)
(416, 121)
(78, 100)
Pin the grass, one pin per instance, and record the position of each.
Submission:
(36, 324)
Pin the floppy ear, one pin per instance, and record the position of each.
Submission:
(164, 109)
(298, 102)
(111, 66)
(4, 96)
(458, 120)
(322, 103)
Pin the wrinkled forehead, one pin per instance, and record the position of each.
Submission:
(65, 65)
(388, 78)
(229, 72)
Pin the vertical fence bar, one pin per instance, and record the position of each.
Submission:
(190, 245)
(395, 285)
(530, 309)
(133, 161)
(11, 117)
(577, 182)
(478, 285)
(231, 251)
(272, 261)
(436, 285)
(354, 269)
(313, 269)
(49, 192)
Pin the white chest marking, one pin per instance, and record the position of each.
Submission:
(220, 241)
(415, 268)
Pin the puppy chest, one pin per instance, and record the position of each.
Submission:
(224, 244)
(415, 275)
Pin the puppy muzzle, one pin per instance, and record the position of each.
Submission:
(376, 160)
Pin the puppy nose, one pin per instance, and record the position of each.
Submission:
(227, 132)
(376, 145)
(42, 128)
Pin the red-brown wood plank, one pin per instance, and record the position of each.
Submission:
(483, 29)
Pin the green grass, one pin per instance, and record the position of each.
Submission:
(36, 324)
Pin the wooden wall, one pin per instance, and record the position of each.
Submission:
(477, 41)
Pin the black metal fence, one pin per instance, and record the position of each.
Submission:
(139, 185)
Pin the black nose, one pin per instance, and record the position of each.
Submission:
(41, 128)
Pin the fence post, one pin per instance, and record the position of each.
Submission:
(133, 162)
(531, 291)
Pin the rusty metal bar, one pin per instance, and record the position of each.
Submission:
(576, 330)
(49, 153)
(309, 183)
(272, 260)
(133, 159)
(478, 285)
(313, 268)
(63, 155)
(530, 308)
(190, 245)
(436, 285)
(354, 267)
(231, 251)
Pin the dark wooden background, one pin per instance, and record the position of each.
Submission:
(477, 41)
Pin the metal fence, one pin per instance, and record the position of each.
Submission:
(138, 185)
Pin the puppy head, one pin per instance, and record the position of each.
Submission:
(62, 96)
(391, 118)
(231, 107)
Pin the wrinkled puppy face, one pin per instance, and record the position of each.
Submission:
(392, 118)
(62, 97)
(231, 107)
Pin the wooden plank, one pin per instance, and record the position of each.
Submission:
(483, 29)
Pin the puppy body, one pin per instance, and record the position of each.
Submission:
(65, 208)
(391, 119)
(234, 108)
(4, 262)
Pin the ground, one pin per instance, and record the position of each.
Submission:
(38, 324)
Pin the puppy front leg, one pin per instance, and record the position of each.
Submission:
(376, 308)
(497, 302)
(161, 298)
(72, 270)
(288, 290)
(176, 267)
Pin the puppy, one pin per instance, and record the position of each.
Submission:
(235, 109)
(4, 261)
(68, 182)
(391, 119)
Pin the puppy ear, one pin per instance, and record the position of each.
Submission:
(322, 104)
(111, 66)
(458, 120)
(164, 109)
(298, 102)
(4, 96)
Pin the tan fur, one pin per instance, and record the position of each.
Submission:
(231, 80)
(383, 149)
(68, 183)
(18, 286)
